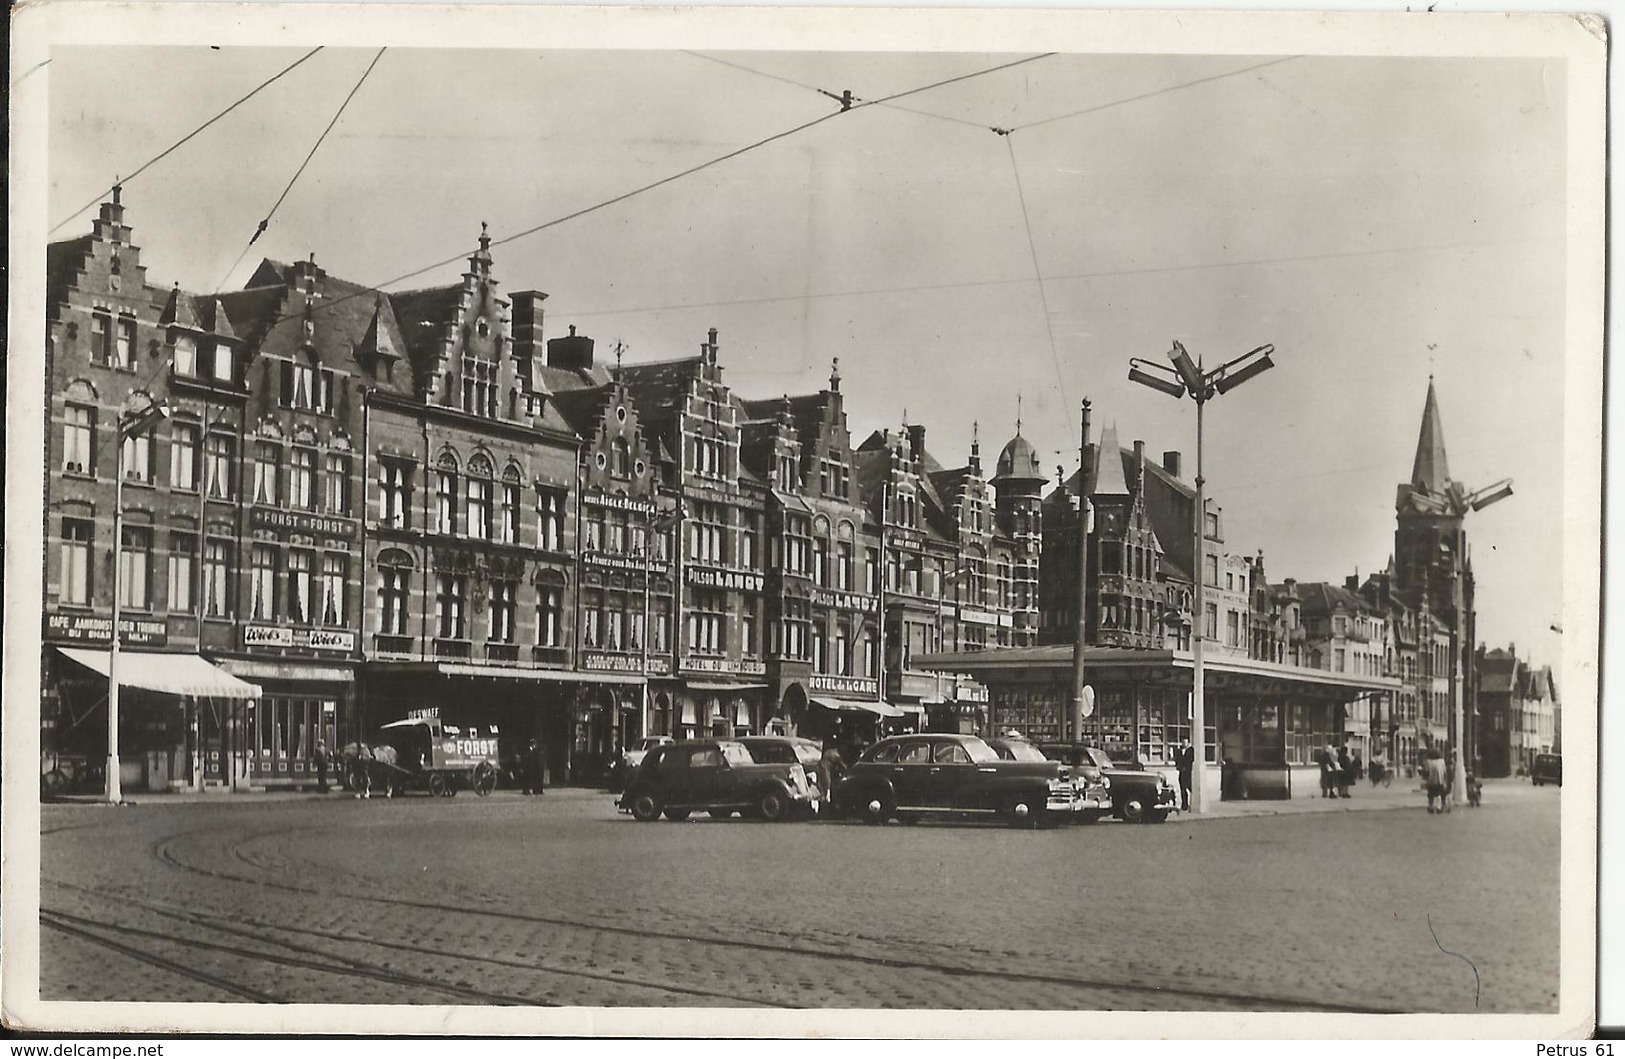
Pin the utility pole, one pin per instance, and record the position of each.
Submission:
(1083, 579)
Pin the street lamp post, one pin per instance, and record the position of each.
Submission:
(1460, 504)
(1187, 377)
(130, 423)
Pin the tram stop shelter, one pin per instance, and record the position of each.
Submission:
(1265, 720)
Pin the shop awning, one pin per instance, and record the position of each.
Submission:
(169, 674)
(700, 685)
(879, 709)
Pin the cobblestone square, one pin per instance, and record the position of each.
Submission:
(560, 901)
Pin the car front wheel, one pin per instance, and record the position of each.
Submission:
(645, 807)
(876, 810)
(773, 807)
(1132, 811)
(676, 814)
(1023, 813)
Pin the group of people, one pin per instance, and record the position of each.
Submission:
(1339, 770)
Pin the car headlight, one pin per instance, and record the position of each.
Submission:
(1105, 783)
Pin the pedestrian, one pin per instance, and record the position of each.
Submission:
(1185, 761)
(362, 775)
(320, 758)
(1345, 771)
(535, 768)
(1433, 776)
(831, 767)
(1327, 757)
(1379, 765)
(1359, 768)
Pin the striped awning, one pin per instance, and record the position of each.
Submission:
(169, 674)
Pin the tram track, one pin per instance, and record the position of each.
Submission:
(1229, 999)
(85, 926)
(235, 924)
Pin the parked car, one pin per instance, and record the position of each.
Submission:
(1138, 796)
(1546, 768)
(785, 750)
(908, 776)
(718, 777)
(631, 758)
(1092, 795)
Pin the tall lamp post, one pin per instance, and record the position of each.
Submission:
(130, 423)
(1460, 503)
(1185, 376)
(657, 523)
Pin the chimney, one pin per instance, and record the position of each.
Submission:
(916, 442)
(1352, 582)
(1170, 463)
(573, 352)
(708, 348)
(1139, 466)
(526, 320)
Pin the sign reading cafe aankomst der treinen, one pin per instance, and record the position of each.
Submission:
(89, 628)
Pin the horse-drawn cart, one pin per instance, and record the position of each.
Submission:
(424, 753)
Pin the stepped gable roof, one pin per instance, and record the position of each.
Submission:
(582, 409)
(422, 316)
(62, 260)
(1430, 473)
(806, 414)
(659, 389)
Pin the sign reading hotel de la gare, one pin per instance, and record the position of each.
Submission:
(94, 629)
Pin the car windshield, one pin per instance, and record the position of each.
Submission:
(1024, 752)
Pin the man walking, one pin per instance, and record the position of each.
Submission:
(1433, 775)
(1185, 761)
(535, 768)
(320, 758)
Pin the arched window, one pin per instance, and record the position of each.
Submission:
(480, 488)
(445, 492)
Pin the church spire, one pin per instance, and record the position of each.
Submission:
(1430, 473)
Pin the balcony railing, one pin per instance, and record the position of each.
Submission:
(502, 652)
(453, 648)
(550, 656)
(390, 644)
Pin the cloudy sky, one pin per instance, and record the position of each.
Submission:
(1377, 220)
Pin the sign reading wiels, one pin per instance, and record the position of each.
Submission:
(283, 636)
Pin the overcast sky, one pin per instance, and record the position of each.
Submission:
(1375, 219)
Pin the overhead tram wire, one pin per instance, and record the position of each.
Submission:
(690, 171)
(1038, 275)
(1144, 95)
(825, 92)
(168, 150)
(266, 221)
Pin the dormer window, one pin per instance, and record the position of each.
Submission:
(482, 328)
(184, 360)
(221, 366)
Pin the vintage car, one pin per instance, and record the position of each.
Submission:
(1546, 768)
(907, 776)
(1093, 795)
(784, 750)
(1138, 796)
(630, 758)
(718, 777)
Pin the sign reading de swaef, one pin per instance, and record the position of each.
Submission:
(717, 577)
(284, 636)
